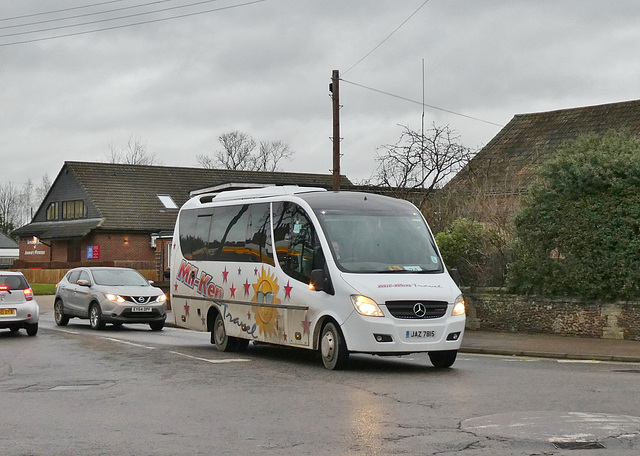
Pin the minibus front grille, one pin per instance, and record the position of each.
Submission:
(417, 309)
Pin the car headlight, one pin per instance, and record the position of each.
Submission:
(366, 306)
(459, 307)
(114, 298)
(161, 298)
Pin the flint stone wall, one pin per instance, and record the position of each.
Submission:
(489, 310)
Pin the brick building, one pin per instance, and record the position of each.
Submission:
(123, 215)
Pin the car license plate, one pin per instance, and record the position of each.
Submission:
(141, 309)
(7, 311)
(420, 334)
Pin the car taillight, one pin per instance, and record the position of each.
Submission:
(4, 287)
(28, 294)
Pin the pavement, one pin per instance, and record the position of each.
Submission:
(510, 344)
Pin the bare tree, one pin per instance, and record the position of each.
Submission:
(134, 153)
(271, 153)
(239, 153)
(9, 200)
(420, 163)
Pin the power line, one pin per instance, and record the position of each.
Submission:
(150, 21)
(58, 11)
(110, 19)
(421, 103)
(83, 15)
(383, 41)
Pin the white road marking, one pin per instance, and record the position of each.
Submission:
(129, 343)
(212, 361)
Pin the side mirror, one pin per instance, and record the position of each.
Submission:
(455, 275)
(83, 283)
(317, 280)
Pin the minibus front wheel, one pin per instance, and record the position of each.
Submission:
(443, 359)
(333, 348)
(219, 336)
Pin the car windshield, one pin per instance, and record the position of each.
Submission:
(13, 282)
(381, 242)
(119, 277)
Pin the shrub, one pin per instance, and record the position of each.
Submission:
(578, 230)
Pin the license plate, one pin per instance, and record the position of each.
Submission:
(141, 309)
(420, 334)
(7, 311)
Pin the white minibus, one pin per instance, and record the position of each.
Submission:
(337, 272)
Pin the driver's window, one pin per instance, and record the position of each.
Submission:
(297, 246)
(84, 275)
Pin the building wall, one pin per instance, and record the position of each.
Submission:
(550, 315)
(97, 249)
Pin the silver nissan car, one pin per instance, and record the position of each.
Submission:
(109, 295)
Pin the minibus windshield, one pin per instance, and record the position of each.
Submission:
(380, 242)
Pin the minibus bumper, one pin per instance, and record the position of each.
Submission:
(384, 335)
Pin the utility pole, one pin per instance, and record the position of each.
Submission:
(334, 88)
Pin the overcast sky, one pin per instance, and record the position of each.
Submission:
(264, 69)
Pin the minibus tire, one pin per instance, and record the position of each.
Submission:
(219, 336)
(443, 359)
(333, 348)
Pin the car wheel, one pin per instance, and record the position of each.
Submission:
(219, 336)
(32, 329)
(333, 348)
(95, 316)
(58, 313)
(156, 325)
(443, 359)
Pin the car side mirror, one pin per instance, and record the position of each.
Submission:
(83, 283)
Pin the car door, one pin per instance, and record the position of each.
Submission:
(67, 292)
(83, 296)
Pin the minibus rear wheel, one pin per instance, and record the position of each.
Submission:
(443, 359)
(333, 348)
(219, 336)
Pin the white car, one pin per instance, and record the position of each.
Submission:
(109, 295)
(18, 308)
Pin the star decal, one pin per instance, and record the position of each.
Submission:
(287, 290)
(186, 309)
(306, 324)
(285, 336)
(239, 271)
(249, 315)
(175, 286)
(255, 271)
(233, 291)
(225, 273)
(247, 285)
(203, 320)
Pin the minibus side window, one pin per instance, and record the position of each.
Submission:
(199, 241)
(297, 246)
(187, 222)
(258, 238)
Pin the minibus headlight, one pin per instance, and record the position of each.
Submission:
(366, 306)
(459, 307)
(114, 298)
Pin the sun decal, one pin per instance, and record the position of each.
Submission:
(265, 290)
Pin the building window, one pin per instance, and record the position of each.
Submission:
(73, 209)
(167, 202)
(52, 211)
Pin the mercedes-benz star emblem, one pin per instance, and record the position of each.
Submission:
(419, 309)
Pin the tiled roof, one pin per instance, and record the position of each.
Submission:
(126, 196)
(67, 229)
(506, 163)
(7, 243)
